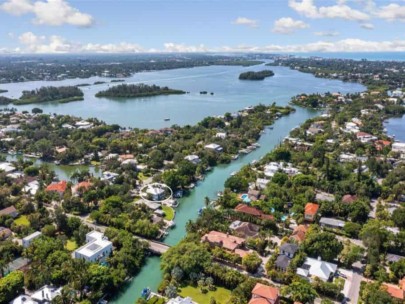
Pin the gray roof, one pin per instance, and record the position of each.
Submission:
(332, 222)
(289, 248)
(282, 261)
(393, 258)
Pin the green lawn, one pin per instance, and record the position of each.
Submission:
(169, 212)
(141, 176)
(71, 245)
(22, 221)
(221, 295)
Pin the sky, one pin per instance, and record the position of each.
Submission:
(139, 26)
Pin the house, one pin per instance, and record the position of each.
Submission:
(7, 167)
(311, 209)
(314, 131)
(282, 263)
(347, 158)
(125, 157)
(109, 176)
(81, 187)
(156, 193)
(331, 223)
(398, 147)
(263, 294)
(242, 208)
(324, 197)
(61, 149)
(381, 144)
(23, 299)
(393, 258)
(46, 294)
(348, 198)
(261, 183)
(214, 147)
(253, 194)
(244, 229)
(395, 291)
(299, 233)
(32, 187)
(180, 300)
(59, 187)
(26, 242)
(288, 249)
(193, 159)
(231, 243)
(9, 211)
(83, 124)
(365, 137)
(5, 233)
(18, 264)
(273, 167)
(96, 249)
(221, 135)
(317, 268)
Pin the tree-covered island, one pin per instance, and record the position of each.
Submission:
(137, 90)
(261, 75)
(50, 94)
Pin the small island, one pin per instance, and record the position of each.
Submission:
(137, 90)
(3, 91)
(251, 75)
(50, 94)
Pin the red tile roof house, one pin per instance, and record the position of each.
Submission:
(242, 208)
(381, 144)
(348, 198)
(299, 233)
(10, 211)
(263, 294)
(225, 241)
(82, 186)
(311, 210)
(59, 188)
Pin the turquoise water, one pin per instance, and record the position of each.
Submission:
(245, 198)
(230, 95)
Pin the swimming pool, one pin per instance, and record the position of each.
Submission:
(245, 198)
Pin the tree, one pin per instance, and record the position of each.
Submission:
(352, 229)
(251, 262)
(237, 183)
(37, 111)
(398, 216)
(350, 254)
(323, 244)
(300, 291)
(171, 291)
(398, 268)
(11, 286)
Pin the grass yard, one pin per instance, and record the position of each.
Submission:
(169, 212)
(221, 295)
(71, 245)
(141, 176)
(22, 221)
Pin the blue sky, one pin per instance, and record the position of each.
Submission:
(70, 26)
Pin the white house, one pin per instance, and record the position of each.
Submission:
(46, 294)
(193, 158)
(23, 299)
(273, 167)
(365, 137)
(215, 147)
(31, 187)
(262, 183)
(26, 242)
(83, 124)
(398, 147)
(7, 167)
(96, 249)
(317, 268)
(180, 300)
(221, 135)
(351, 127)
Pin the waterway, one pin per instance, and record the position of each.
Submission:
(396, 126)
(230, 95)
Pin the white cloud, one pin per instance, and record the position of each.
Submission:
(182, 48)
(288, 25)
(367, 26)
(246, 21)
(327, 33)
(391, 12)
(48, 12)
(308, 9)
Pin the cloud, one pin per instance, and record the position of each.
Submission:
(327, 33)
(288, 25)
(48, 12)
(246, 21)
(182, 48)
(308, 9)
(391, 12)
(367, 26)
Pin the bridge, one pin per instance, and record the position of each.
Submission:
(157, 247)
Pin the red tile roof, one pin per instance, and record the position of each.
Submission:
(57, 187)
(395, 291)
(253, 211)
(264, 291)
(299, 233)
(348, 198)
(224, 240)
(311, 208)
(82, 185)
(8, 210)
(362, 134)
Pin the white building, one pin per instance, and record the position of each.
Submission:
(215, 147)
(180, 300)
(46, 294)
(83, 124)
(193, 158)
(23, 299)
(317, 268)
(156, 192)
(7, 167)
(26, 242)
(351, 127)
(221, 135)
(96, 249)
(31, 187)
(273, 167)
(262, 183)
(398, 147)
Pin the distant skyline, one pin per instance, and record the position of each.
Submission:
(134, 26)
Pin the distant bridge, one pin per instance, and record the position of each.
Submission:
(157, 247)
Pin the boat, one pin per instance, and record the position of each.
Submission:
(12, 152)
(167, 119)
(219, 194)
(253, 162)
(233, 173)
(145, 292)
(235, 157)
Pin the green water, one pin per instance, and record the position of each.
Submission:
(151, 275)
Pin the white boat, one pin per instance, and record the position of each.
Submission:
(233, 173)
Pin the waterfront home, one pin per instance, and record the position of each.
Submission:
(314, 131)
(242, 208)
(331, 223)
(214, 147)
(9, 211)
(46, 294)
(381, 144)
(317, 268)
(156, 193)
(59, 187)
(180, 300)
(5, 233)
(311, 210)
(193, 159)
(109, 176)
(96, 249)
(83, 124)
(263, 294)
(81, 187)
(365, 137)
(273, 167)
(7, 167)
(244, 229)
(226, 241)
(26, 242)
(398, 147)
(299, 233)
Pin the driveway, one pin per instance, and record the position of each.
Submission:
(351, 289)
